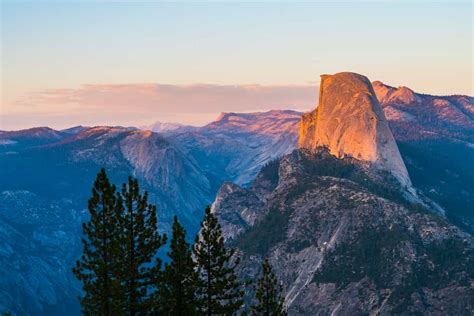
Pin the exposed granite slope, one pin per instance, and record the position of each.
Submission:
(345, 244)
(349, 121)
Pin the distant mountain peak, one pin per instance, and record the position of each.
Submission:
(273, 124)
(225, 116)
(424, 115)
(164, 127)
(349, 121)
(400, 95)
(74, 130)
(39, 132)
(254, 120)
(102, 130)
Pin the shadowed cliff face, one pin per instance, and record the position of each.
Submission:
(349, 121)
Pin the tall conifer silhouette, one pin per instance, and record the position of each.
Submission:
(98, 266)
(268, 294)
(218, 290)
(140, 242)
(179, 277)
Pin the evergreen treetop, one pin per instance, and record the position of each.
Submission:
(98, 266)
(140, 242)
(218, 289)
(268, 294)
(179, 277)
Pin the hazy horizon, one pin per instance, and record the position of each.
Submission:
(116, 105)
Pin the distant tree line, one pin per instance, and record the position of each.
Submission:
(122, 274)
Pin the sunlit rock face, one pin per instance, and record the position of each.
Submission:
(349, 122)
(402, 95)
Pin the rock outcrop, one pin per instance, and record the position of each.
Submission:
(402, 95)
(349, 122)
(343, 245)
(341, 235)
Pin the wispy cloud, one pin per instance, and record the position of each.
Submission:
(138, 104)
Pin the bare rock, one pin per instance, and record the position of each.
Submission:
(349, 121)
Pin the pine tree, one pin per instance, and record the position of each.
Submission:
(98, 265)
(140, 242)
(179, 277)
(218, 290)
(268, 295)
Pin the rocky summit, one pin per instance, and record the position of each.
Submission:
(343, 237)
(349, 121)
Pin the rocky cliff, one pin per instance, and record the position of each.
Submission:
(334, 219)
(349, 121)
(345, 244)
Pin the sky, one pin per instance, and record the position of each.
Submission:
(66, 63)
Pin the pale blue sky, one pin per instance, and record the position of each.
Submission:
(65, 44)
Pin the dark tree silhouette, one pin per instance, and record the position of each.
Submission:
(179, 277)
(218, 290)
(268, 294)
(99, 264)
(140, 242)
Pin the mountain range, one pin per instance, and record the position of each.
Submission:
(422, 142)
